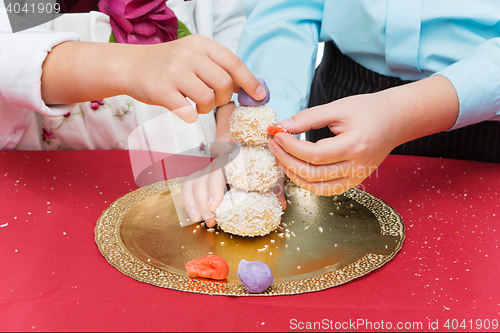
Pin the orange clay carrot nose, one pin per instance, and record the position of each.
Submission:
(272, 130)
(211, 267)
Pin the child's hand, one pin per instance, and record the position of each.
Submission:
(203, 191)
(194, 67)
(210, 188)
(160, 74)
(368, 127)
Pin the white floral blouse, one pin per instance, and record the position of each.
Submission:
(109, 123)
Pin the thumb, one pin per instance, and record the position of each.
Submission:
(307, 119)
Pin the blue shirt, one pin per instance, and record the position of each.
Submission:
(409, 39)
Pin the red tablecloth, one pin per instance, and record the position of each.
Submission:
(54, 278)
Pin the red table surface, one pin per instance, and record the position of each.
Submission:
(54, 278)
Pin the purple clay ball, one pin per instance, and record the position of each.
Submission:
(245, 99)
(255, 276)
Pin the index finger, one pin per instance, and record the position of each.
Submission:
(240, 73)
(325, 151)
(312, 118)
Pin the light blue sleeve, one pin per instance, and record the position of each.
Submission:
(279, 44)
(476, 79)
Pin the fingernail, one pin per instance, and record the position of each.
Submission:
(286, 123)
(283, 204)
(193, 213)
(210, 200)
(207, 216)
(260, 92)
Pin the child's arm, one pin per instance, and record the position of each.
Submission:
(368, 127)
(222, 118)
(161, 74)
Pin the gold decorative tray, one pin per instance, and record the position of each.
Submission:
(322, 241)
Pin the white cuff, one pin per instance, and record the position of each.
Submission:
(477, 82)
(22, 55)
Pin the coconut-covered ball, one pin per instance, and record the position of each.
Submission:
(252, 168)
(248, 124)
(248, 213)
(255, 276)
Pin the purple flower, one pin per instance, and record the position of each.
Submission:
(94, 105)
(140, 21)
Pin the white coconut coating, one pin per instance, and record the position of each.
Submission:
(248, 124)
(248, 213)
(252, 168)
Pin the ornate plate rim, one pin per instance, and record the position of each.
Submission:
(111, 246)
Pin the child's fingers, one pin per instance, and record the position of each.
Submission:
(188, 199)
(210, 221)
(240, 73)
(193, 87)
(216, 79)
(200, 193)
(181, 107)
(187, 113)
(279, 190)
(216, 187)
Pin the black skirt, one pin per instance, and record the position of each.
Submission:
(338, 76)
